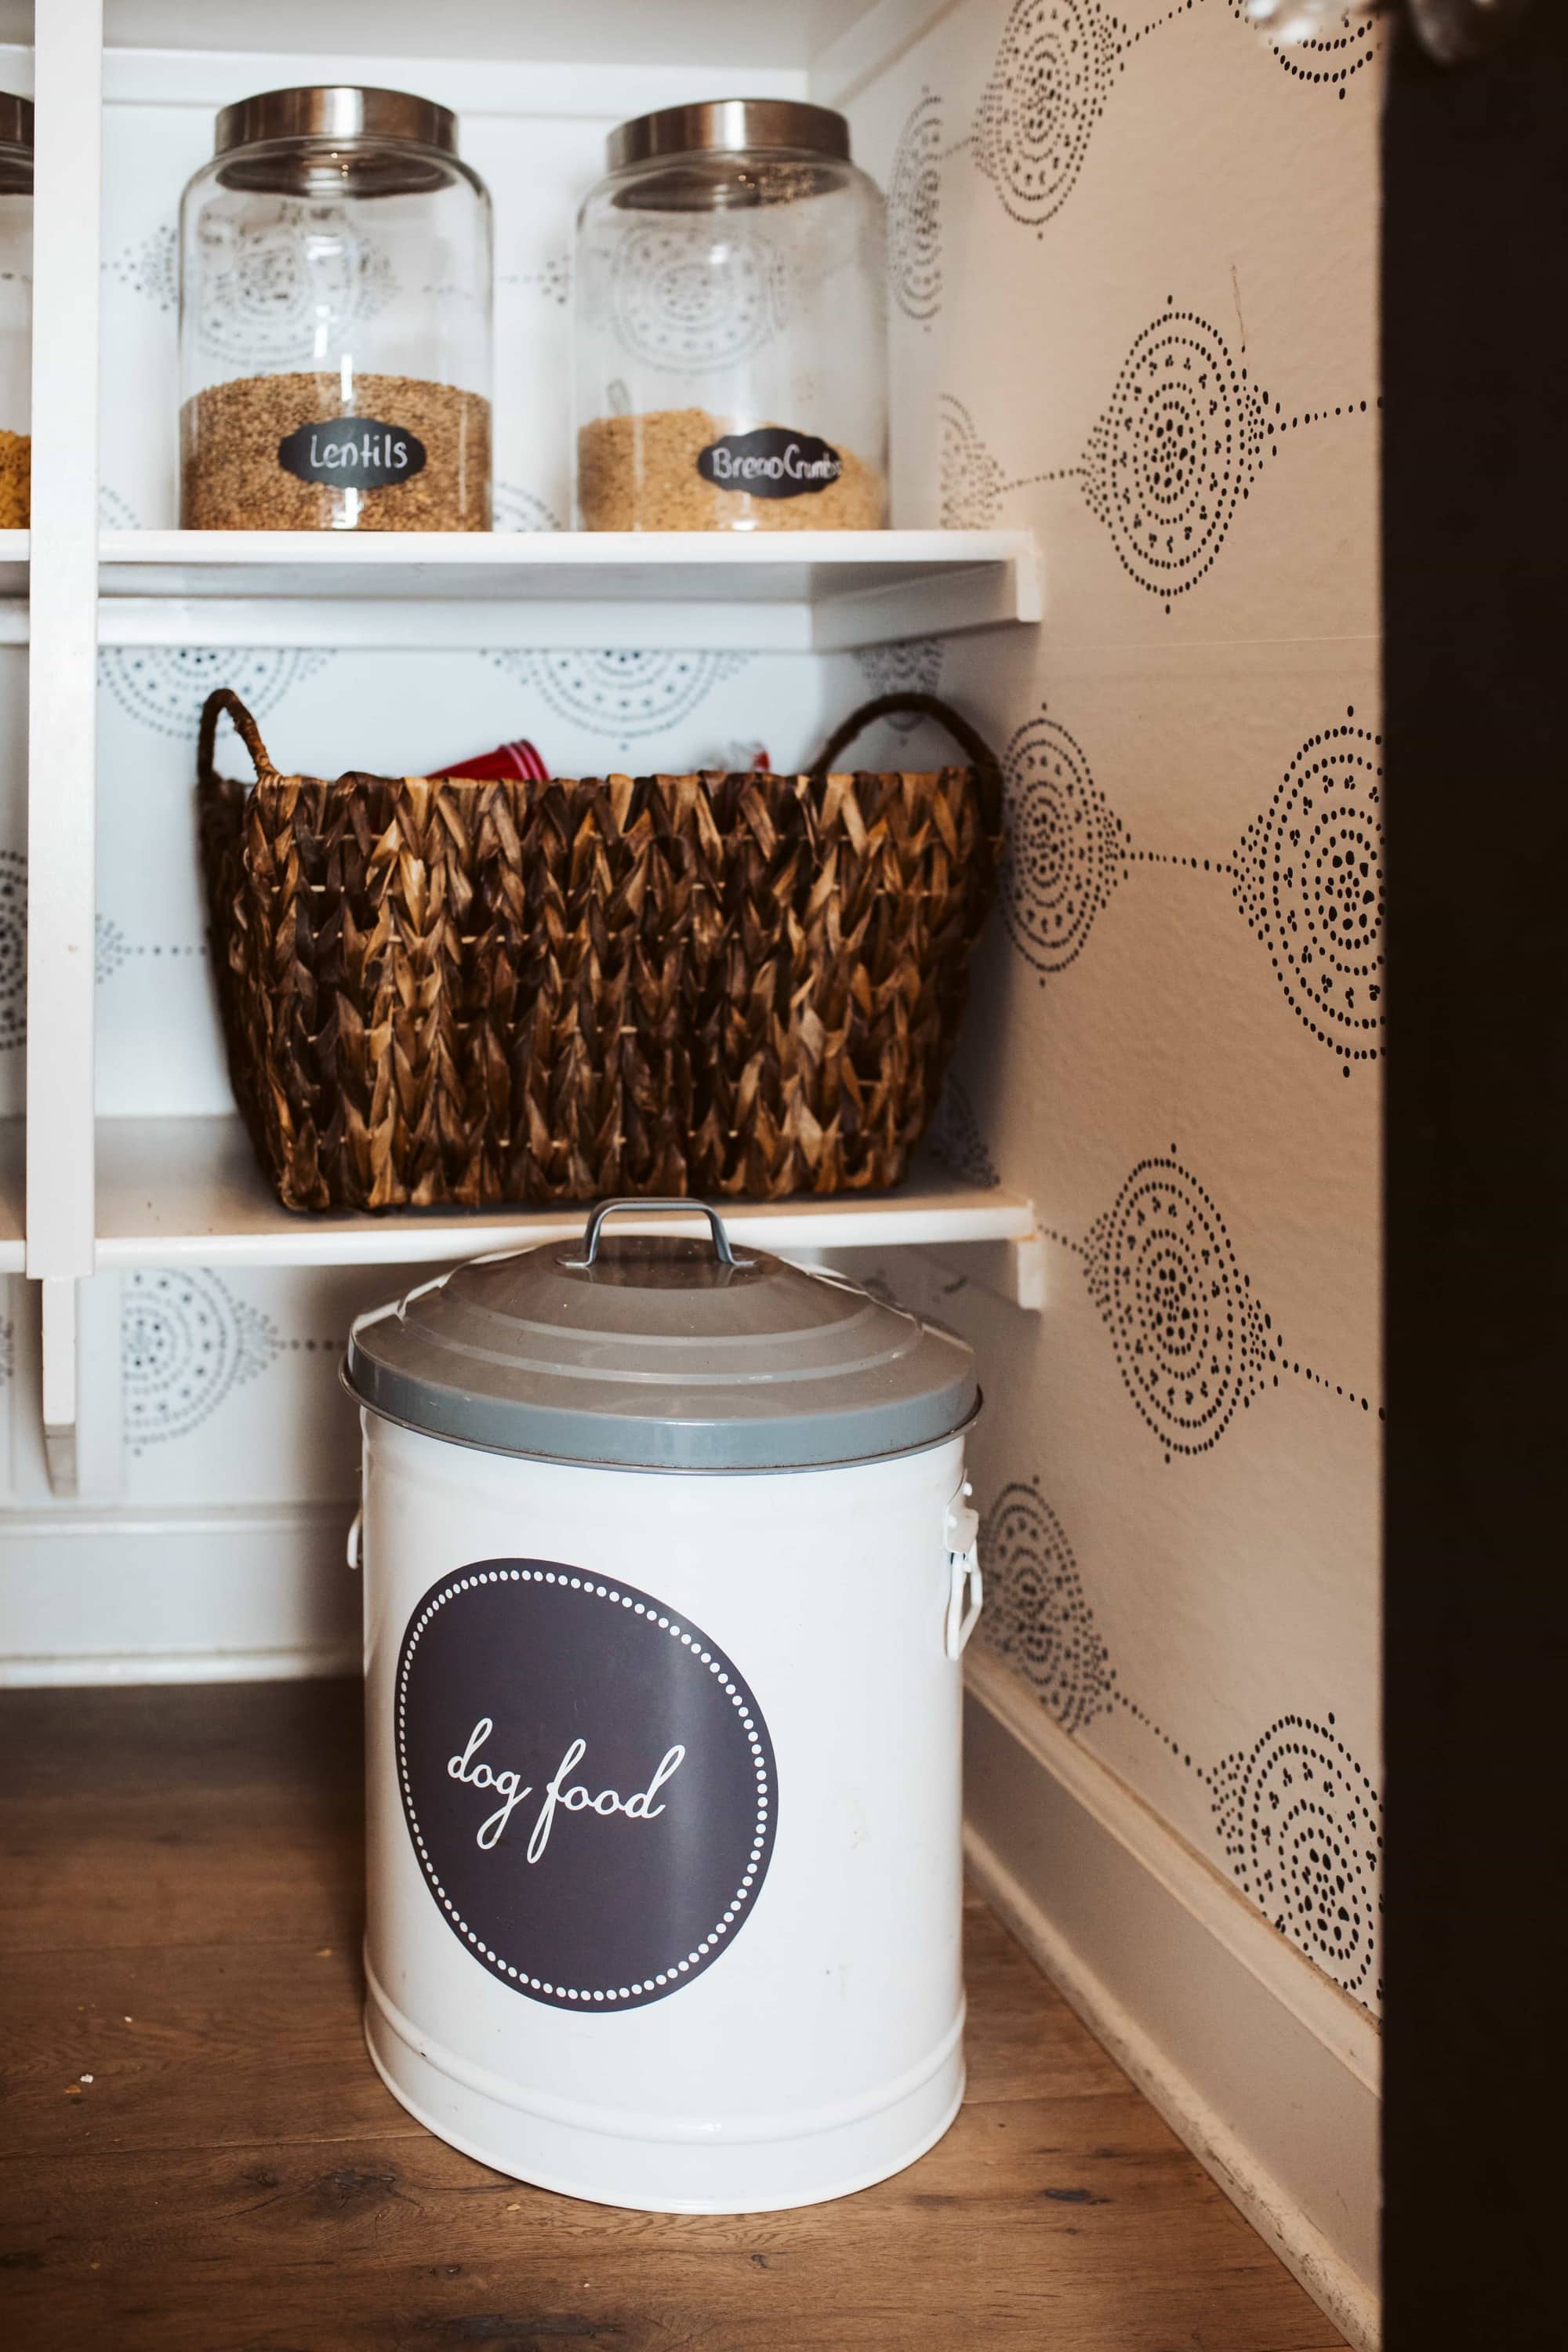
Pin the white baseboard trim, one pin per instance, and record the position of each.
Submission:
(1261, 2065)
(93, 1667)
(113, 1594)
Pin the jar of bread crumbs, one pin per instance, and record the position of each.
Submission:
(730, 326)
(335, 279)
(16, 311)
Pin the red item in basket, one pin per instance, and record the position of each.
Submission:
(519, 759)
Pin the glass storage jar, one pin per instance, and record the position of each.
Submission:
(335, 279)
(16, 311)
(731, 327)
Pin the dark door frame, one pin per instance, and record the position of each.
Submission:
(1475, 257)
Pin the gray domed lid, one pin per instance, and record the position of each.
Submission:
(655, 1352)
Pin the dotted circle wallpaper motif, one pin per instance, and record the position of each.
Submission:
(1297, 1820)
(115, 513)
(630, 693)
(1309, 883)
(956, 1138)
(185, 1342)
(150, 268)
(1307, 875)
(551, 282)
(969, 481)
(1191, 1343)
(13, 949)
(1036, 1615)
(913, 665)
(1301, 1826)
(1066, 850)
(1326, 60)
(1054, 70)
(515, 510)
(1175, 453)
(164, 687)
(672, 310)
(111, 949)
(272, 286)
(914, 214)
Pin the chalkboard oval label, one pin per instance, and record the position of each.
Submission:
(352, 453)
(587, 1781)
(770, 463)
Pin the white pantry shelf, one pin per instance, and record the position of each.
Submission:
(822, 592)
(187, 1192)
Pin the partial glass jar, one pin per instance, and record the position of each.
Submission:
(731, 326)
(16, 311)
(335, 320)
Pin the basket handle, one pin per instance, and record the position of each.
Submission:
(222, 698)
(924, 706)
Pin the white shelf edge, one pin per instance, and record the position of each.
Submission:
(229, 551)
(453, 624)
(796, 592)
(188, 1192)
(884, 1224)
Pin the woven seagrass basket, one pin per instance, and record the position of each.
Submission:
(455, 992)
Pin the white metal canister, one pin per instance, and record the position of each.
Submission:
(668, 1564)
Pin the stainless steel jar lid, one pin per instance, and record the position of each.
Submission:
(335, 139)
(729, 126)
(334, 111)
(651, 1351)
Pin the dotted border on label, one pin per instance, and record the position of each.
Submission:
(667, 1979)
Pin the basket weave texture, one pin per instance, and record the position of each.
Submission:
(439, 991)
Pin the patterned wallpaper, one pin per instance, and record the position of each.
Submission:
(1133, 260)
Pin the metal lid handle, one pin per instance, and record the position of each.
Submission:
(721, 1249)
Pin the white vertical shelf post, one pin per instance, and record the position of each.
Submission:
(62, 735)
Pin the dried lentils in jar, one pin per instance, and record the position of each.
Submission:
(336, 321)
(233, 478)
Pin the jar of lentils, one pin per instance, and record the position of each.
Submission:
(730, 326)
(16, 311)
(335, 300)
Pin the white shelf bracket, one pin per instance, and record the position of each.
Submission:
(1014, 1270)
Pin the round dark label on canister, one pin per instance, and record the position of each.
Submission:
(352, 453)
(770, 463)
(587, 1781)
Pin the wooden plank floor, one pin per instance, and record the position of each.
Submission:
(197, 2158)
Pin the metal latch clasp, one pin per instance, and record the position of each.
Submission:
(966, 1590)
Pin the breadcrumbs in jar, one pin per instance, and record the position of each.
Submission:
(648, 473)
(730, 335)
